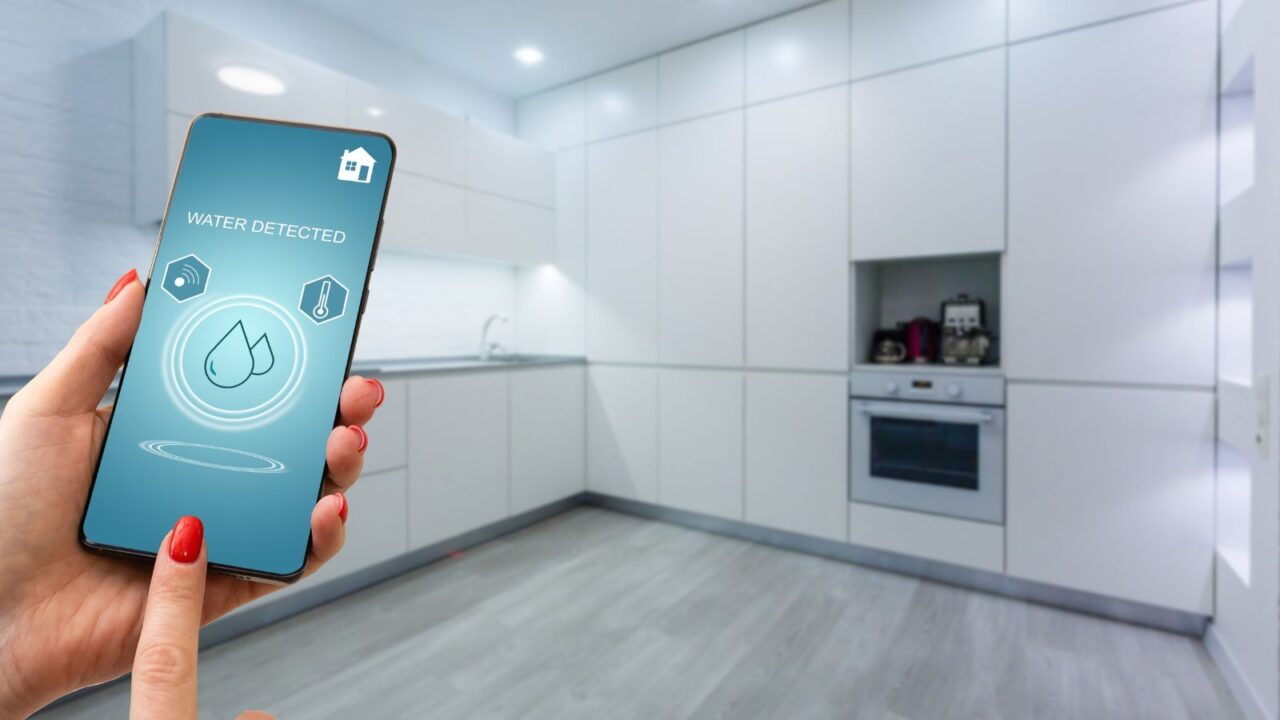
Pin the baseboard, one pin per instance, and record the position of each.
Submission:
(1245, 694)
(1178, 621)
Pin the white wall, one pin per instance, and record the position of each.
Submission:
(66, 116)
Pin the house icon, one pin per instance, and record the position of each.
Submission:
(356, 166)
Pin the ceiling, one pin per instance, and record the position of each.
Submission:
(476, 38)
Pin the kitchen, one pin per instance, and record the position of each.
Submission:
(860, 357)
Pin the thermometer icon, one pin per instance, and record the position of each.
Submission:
(321, 310)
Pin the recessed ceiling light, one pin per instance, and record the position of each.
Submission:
(529, 55)
(374, 112)
(250, 80)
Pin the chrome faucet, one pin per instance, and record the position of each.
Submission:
(488, 348)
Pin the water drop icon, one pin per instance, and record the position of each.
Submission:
(230, 363)
(263, 357)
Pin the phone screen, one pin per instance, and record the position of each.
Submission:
(252, 306)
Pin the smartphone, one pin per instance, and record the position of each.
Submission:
(253, 301)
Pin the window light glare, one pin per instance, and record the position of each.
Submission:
(250, 80)
(529, 55)
(374, 112)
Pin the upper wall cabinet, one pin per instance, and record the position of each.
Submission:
(425, 216)
(555, 119)
(801, 51)
(622, 101)
(622, 249)
(894, 34)
(701, 79)
(428, 142)
(1109, 274)
(1029, 18)
(797, 261)
(502, 165)
(508, 230)
(928, 160)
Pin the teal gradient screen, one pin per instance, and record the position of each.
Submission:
(231, 389)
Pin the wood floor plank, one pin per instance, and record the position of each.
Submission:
(593, 614)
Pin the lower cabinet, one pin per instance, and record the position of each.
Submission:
(622, 432)
(389, 429)
(1111, 491)
(700, 443)
(933, 537)
(458, 454)
(377, 524)
(548, 435)
(797, 473)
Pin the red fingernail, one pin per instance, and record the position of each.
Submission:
(382, 391)
(121, 284)
(342, 511)
(188, 536)
(364, 439)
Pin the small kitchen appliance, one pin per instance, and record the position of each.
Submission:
(931, 442)
(965, 338)
(922, 340)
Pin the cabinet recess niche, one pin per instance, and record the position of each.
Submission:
(459, 189)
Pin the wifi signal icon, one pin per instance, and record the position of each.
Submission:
(185, 278)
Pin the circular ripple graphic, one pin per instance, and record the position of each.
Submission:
(205, 455)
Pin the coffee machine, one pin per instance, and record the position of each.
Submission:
(965, 338)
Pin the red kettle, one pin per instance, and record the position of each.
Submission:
(922, 340)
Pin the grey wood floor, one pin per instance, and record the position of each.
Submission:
(598, 615)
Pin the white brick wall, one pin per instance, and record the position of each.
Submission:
(67, 170)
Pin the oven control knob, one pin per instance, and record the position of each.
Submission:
(890, 387)
(953, 390)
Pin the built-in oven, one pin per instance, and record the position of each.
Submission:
(931, 442)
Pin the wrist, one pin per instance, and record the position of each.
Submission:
(16, 697)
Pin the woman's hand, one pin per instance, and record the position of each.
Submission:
(164, 667)
(69, 618)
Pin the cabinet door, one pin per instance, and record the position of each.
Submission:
(893, 34)
(509, 230)
(799, 51)
(622, 305)
(389, 430)
(1028, 18)
(500, 164)
(700, 253)
(928, 160)
(1109, 275)
(622, 432)
(700, 415)
(548, 435)
(428, 142)
(425, 216)
(377, 524)
(458, 457)
(1111, 491)
(623, 100)
(798, 232)
(702, 78)
(797, 473)
(555, 119)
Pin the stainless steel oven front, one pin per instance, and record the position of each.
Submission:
(929, 442)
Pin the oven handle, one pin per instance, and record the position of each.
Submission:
(940, 414)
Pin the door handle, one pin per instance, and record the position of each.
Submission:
(939, 415)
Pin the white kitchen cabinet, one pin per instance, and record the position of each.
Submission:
(377, 524)
(458, 475)
(428, 142)
(622, 432)
(1109, 275)
(933, 537)
(796, 471)
(425, 216)
(623, 100)
(799, 51)
(548, 435)
(928, 160)
(388, 431)
(508, 230)
(556, 119)
(703, 78)
(700, 241)
(700, 441)
(1111, 491)
(622, 243)
(1029, 18)
(797, 257)
(500, 164)
(893, 34)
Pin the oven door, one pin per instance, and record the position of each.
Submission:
(937, 459)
